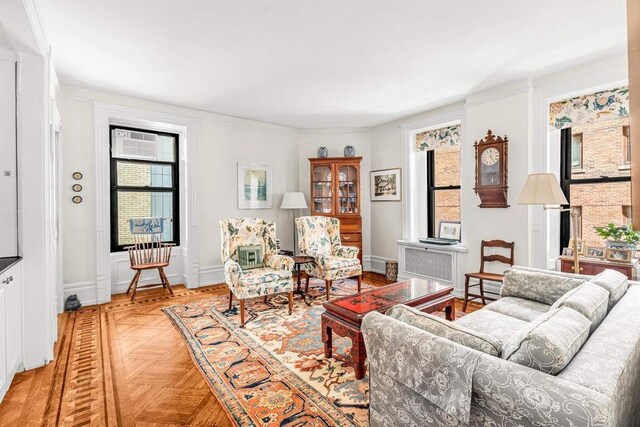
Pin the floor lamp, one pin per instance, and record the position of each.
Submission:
(293, 201)
(544, 189)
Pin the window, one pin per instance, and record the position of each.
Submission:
(443, 186)
(601, 189)
(144, 182)
(626, 145)
(576, 151)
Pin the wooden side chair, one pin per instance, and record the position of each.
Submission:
(148, 252)
(481, 276)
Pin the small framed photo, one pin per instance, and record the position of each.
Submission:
(567, 252)
(619, 254)
(254, 186)
(580, 246)
(386, 185)
(449, 230)
(595, 252)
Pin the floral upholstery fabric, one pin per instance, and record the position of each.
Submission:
(535, 286)
(549, 343)
(445, 329)
(588, 299)
(274, 278)
(518, 308)
(614, 282)
(437, 369)
(504, 394)
(319, 237)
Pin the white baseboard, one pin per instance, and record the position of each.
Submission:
(212, 275)
(378, 264)
(87, 292)
(122, 286)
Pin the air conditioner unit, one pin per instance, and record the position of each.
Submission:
(131, 144)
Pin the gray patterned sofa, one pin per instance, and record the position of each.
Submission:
(556, 350)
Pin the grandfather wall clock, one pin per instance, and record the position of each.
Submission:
(491, 171)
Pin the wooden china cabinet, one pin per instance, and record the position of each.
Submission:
(335, 192)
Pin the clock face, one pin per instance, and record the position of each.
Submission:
(490, 156)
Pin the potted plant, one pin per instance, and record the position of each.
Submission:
(620, 237)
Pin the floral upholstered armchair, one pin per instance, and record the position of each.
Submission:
(319, 237)
(275, 275)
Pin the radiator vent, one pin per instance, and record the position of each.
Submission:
(438, 265)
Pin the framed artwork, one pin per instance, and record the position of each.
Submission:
(567, 252)
(580, 246)
(254, 186)
(449, 230)
(386, 185)
(619, 254)
(595, 252)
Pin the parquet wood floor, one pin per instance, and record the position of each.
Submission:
(123, 364)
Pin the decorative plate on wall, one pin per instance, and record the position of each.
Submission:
(77, 199)
(77, 188)
(77, 176)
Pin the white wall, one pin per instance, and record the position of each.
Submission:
(221, 141)
(335, 140)
(9, 205)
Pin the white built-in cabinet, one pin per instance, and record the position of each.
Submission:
(10, 325)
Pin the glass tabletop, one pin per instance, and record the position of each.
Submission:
(390, 295)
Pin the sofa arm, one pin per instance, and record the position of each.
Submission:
(504, 393)
(232, 272)
(346, 251)
(279, 262)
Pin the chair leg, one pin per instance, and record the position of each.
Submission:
(306, 285)
(327, 285)
(165, 280)
(482, 292)
(466, 294)
(290, 302)
(242, 313)
(359, 283)
(135, 285)
(133, 280)
(230, 299)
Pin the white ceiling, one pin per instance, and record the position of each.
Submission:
(329, 63)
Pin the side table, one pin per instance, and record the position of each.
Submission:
(299, 261)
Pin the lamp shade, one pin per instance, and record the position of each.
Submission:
(293, 200)
(542, 189)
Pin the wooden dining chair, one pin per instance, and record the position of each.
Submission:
(481, 276)
(148, 252)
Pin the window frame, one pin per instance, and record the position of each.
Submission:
(566, 181)
(626, 145)
(115, 188)
(431, 192)
(581, 165)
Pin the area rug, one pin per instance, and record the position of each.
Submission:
(273, 372)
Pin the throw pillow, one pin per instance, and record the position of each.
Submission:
(446, 329)
(588, 299)
(537, 286)
(549, 342)
(613, 281)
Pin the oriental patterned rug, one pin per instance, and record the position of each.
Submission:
(274, 371)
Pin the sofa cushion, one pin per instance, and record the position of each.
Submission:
(519, 308)
(446, 329)
(537, 286)
(588, 299)
(549, 342)
(613, 281)
(497, 325)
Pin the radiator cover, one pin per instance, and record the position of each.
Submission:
(430, 263)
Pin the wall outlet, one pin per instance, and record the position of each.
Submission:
(7, 173)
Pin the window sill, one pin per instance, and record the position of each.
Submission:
(624, 167)
(578, 170)
(446, 248)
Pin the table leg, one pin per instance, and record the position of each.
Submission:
(327, 339)
(358, 355)
(299, 278)
(450, 311)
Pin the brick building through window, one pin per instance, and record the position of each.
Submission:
(443, 169)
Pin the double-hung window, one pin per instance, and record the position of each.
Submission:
(144, 182)
(443, 186)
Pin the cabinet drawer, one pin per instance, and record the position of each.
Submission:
(585, 268)
(350, 238)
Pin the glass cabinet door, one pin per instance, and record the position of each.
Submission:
(322, 191)
(348, 190)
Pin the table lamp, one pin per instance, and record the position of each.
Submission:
(293, 201)
(544, 189)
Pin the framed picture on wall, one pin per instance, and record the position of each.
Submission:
(255, 186)
(386, 185)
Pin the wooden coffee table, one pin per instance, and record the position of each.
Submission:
(343, 316)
